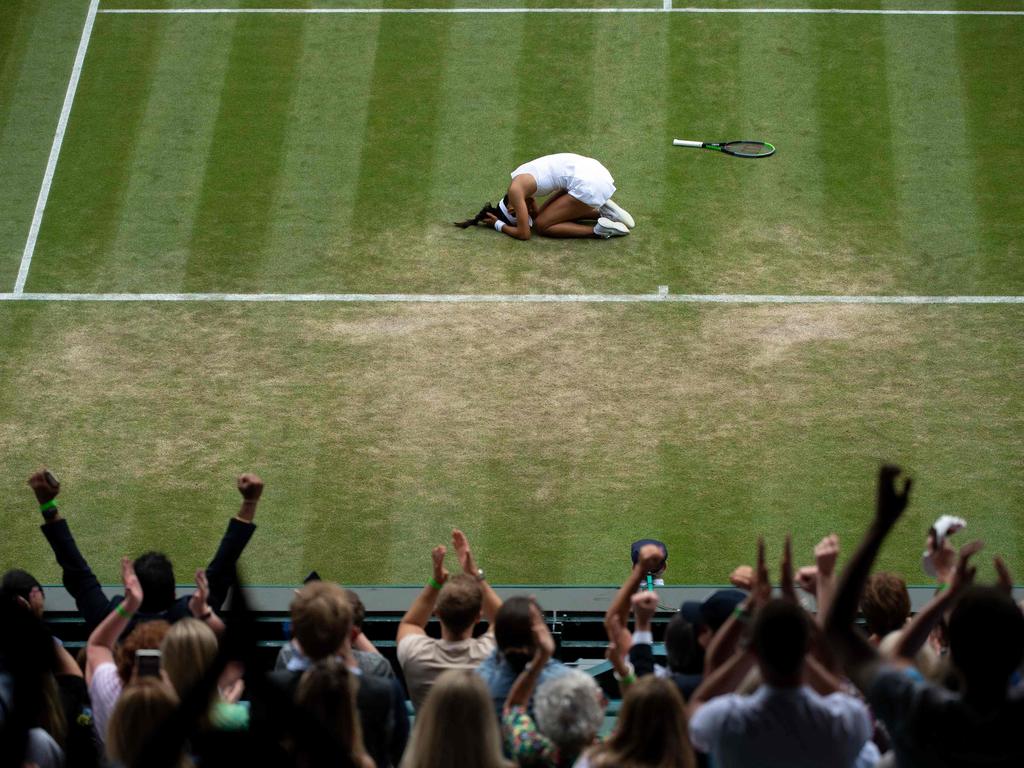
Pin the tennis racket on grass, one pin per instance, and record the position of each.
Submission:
(735, 148)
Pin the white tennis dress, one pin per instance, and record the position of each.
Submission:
(582, 177)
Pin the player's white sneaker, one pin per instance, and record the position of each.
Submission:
(615, 212)
(607, 228)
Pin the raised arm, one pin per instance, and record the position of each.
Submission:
(544, 649)
(915, 634)
(491, 601)
(723, 645)
(648, 560)
(725, 679)
(200, 609)
(100, 647)
(415, 620)
(858, 657)
(222, 570)
(825, 555)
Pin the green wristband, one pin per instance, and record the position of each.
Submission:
(51, 504)
(124, 613)
(433, 583)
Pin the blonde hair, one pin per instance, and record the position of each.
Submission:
(651, 731)
(188, 650)
(140, 710)
(458, 696)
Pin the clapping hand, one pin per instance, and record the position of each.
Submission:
(461, 546)
(543, 642)
(197, 604)
(132, 587)
(437, 558)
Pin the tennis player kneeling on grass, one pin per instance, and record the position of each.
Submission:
(578, 189)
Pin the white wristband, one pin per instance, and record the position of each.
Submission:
(499, 225)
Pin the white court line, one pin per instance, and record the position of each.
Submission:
(666, 8)
(58, 139)
(502, 298)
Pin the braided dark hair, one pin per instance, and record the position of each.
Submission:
(487, 209)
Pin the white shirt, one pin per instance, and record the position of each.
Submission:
(423, 659)
(781, 728)
(104, 691)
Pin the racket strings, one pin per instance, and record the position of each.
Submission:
(750, 148)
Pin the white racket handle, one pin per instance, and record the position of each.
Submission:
(681, 143)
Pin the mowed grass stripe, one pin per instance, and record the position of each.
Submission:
(854, 121)
(933, 161)
(629, 86)
(403, 123)
(723, 225)
(476, 151)
(553, 434)
(325, 132)
(175, 136)
(19, 17)
(19, 21)
(237, 203)
(38, 46)
(91, 181)
(990, 57)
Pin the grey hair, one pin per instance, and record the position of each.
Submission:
(569, 710)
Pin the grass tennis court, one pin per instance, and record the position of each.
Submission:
(328, 153)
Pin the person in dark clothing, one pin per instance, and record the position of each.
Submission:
(154, 570)
(321, 617)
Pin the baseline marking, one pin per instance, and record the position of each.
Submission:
(499, 298)
(666, 8)
(58, 139)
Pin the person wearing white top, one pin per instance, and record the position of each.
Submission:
(578, 189)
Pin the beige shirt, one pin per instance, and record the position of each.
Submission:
(424, 658)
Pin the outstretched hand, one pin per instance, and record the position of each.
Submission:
(891, 500)
(44, 485)
(132, 587)
(437, 558)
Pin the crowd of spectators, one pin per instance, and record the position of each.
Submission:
(751, 676)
